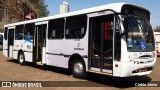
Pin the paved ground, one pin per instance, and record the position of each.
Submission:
(10, 70)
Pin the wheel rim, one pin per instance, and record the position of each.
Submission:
(21, 58)
(78, 67)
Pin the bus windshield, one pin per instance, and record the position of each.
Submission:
(139, 34)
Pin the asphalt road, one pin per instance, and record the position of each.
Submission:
(10, 70)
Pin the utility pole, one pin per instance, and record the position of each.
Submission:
(5, 15)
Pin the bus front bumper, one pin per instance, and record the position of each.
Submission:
(137, 67)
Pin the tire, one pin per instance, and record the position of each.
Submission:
(78, 69)
(21, 58)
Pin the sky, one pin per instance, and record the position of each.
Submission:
(152, 5)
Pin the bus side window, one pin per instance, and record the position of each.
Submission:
(5, 33)
(29, 31)
(53, 34)
(19, 32)
(76, 27)
(1, 39)
(56, 29)
(107, 30)
(108, 36)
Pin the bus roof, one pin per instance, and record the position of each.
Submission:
(157, 33)
(113, 6)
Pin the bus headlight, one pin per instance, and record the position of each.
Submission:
(135, 62)
(154, 55)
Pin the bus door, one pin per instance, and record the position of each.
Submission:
(10, 42)
(40, 42)
(101, 42)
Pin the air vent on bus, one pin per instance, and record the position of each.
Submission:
(145, 56)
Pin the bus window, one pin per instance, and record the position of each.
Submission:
(56, 29)
(5, 33)
(29, 31)
(1, 39)
(76, 27)
(19, 32)
(108, 37)
(11, 37)
(107, 30)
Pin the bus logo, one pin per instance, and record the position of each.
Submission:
(143, 45)
(6, 84)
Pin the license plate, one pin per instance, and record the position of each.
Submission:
(143, 70)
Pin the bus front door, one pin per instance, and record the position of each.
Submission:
(101, 44)
(10, 42)
(40, 43)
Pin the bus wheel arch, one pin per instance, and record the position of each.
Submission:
(77, 61)
(21, 57)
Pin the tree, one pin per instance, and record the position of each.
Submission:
(40, 8)
(17, 10)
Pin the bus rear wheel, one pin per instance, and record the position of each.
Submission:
(78, 69)
(21, 58)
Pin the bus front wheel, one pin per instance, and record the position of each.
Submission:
(78, 69)
(21, 58)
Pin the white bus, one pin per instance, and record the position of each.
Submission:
(157, 40)
(114, 39)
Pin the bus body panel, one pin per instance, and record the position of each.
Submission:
(44, 55)
(54, 52)
(54, 60)
(15, 54)
(134, 66)
(11, 53)
(55, 55)
(79, 47)
(124, 58)
(28, 57)
(18, 46)
(28, 50)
